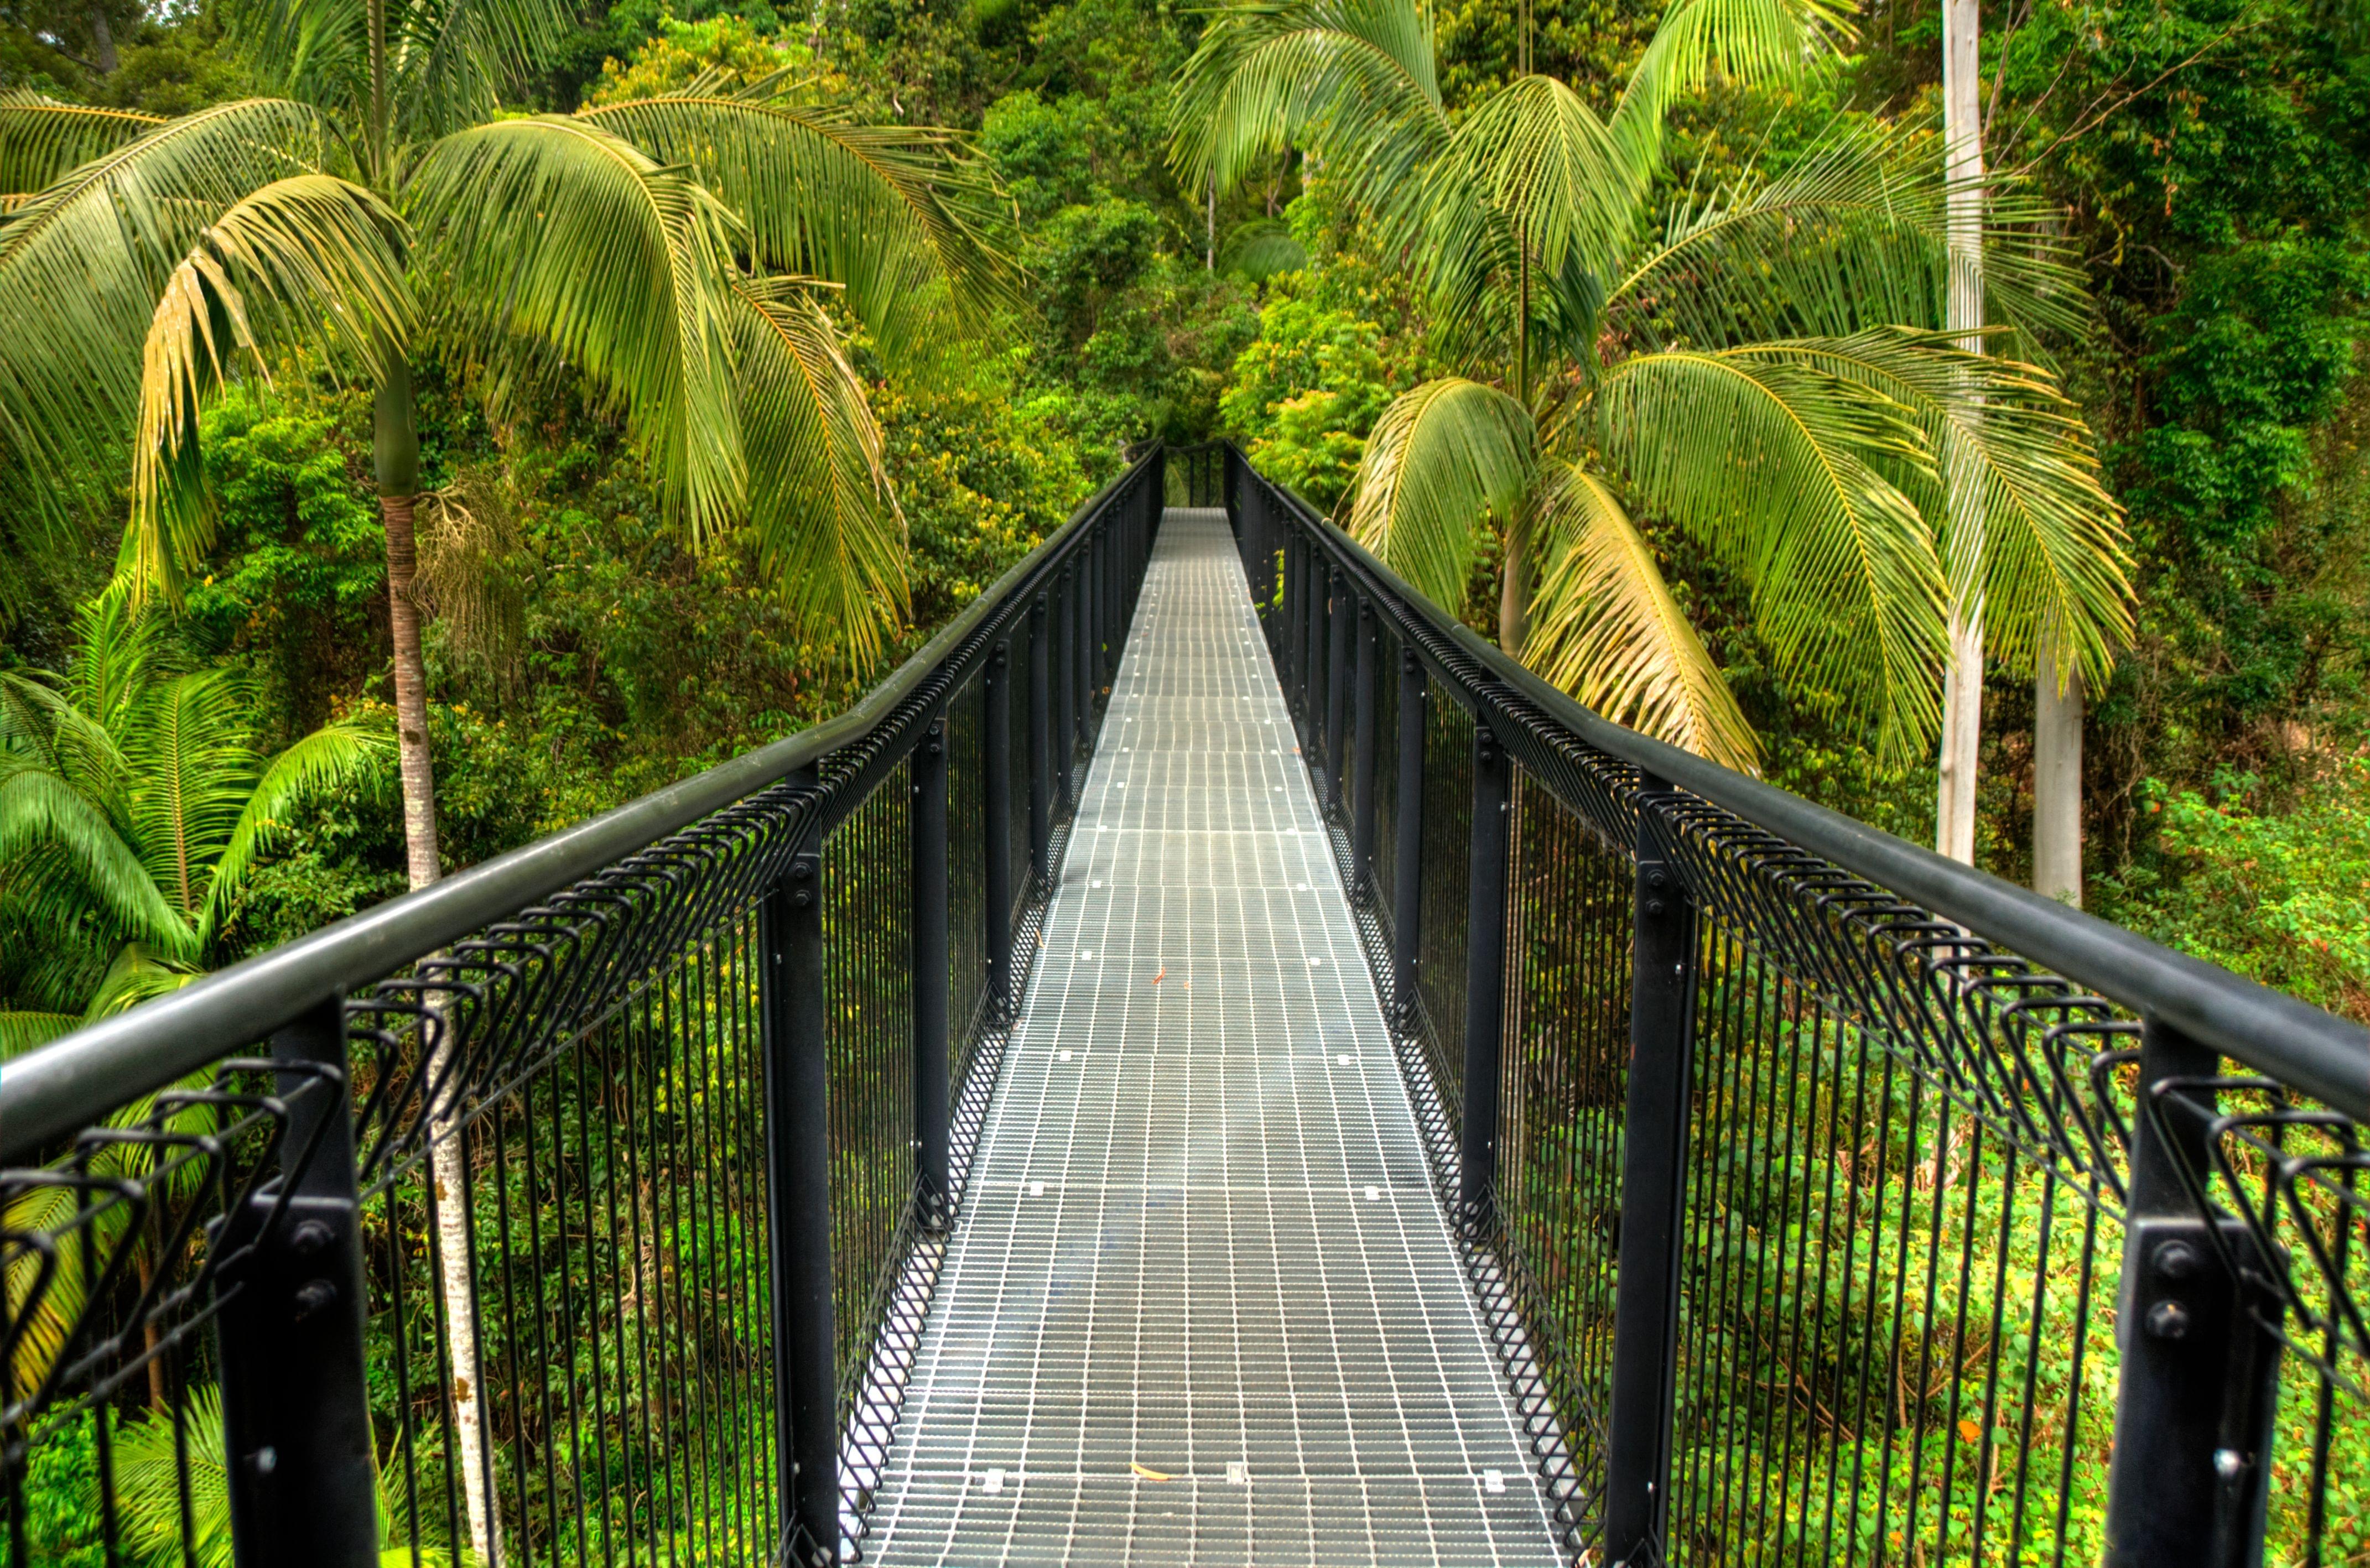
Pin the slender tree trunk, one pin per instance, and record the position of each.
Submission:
(1515, 595)
(102, 42)
(2056, 779)
(1962, 684)
(1209, 230)
(397, 451)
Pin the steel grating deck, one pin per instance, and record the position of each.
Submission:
(1202, 1305)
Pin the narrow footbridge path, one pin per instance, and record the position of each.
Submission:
(1202, 1304)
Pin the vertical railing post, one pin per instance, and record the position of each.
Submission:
(1313, 687)
(798, 1207)
(297, 1412)
(1066, 729)
(1485, 983)
(1362, 785)
(1407, 880)
(996, 778)
(1041, 747)
(1341, 621)
(1653, 1169)
(1295, 589)
(1081, 657)
(2198, 1377)
(933, 1094)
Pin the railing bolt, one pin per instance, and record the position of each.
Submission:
(1655, 907)
(2229, 1463)
(310, 1236)
(2167, 1320)
(2176, 1260)
(312, 1296)
(263, 1461)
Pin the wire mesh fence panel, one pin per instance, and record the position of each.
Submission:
(967, 831)
(1446, 888)
(867, 943)
(1564, 1071)
(111, 1442)
(1381, 866)
(1892, 1346)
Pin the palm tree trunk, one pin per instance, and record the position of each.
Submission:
(396, 444)
(1514, 595)
(1962, 685)
(2056, 779)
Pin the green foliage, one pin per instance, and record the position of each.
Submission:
(2277, 895)
(1306, 393)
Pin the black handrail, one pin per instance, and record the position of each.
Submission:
(602, 1157)
(47, 1093)
(1781, 1148)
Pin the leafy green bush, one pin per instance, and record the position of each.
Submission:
(2277, 895)
(1306, 393)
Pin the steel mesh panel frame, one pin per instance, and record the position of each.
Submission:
(1439, 979)
(967, 831)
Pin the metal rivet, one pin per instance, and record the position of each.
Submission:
(2176, 1259)
(312, 1296)
(2229, 1463)
(2167, 1320)
(310, 1238)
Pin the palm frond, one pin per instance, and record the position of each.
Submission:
(1261, 249)
(21, 1032)
(1535, 155)
(453, 60)
(2053, 547)
(41, 138)
(309, 259)
(174, 1479)
(900, 216)
(1353, 80)
(38, 718)
(1744, 42)
(83, 262)
(559, 237)
(1605, 628)
(333, 758)
(1779, 469)
(42, 811)
(1440, 462)
(828, 530)
(1854, 234)
(192, 767)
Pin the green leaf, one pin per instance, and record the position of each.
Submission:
(558, 240)
(898, 215)
(1441, 461)
(41, 138)
(828, 531)
(40, 810)
(1779, 469)
(1605, 628)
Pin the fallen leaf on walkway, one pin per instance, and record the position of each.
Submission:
(1162, 975)
(1147, 1471)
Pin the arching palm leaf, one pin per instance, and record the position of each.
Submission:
(42, 812)
(897, 216)
(828, 530)
(21, 1032)
(557, 237)
(1607, 630)
(2054, 548)
(82, 263)
(1440, 458)
(310, 260)
(1853, 236)
(1779, 469)
(192, 769)
(334, 758)
(1351, 78)
(42, 139)
(1744, 42)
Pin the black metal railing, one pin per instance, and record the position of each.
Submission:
(1831, 1202)
(584, 1207)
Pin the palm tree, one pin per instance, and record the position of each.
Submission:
(134, 803)
(673, 252)
(1762, 374)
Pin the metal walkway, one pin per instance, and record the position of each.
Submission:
(1202, 1305)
